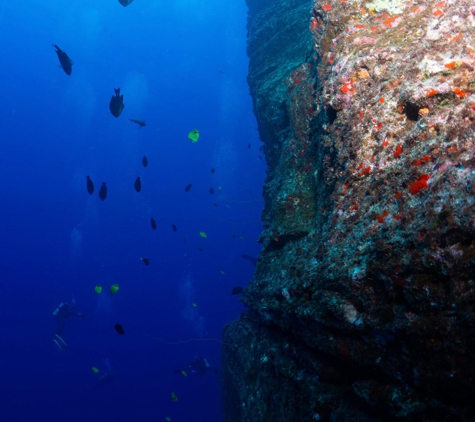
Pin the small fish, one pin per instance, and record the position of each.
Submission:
(249, 145)
(184, 238)
(125, 3)
(174, 228)
(141, 123)
(222, 272)
(138, 184)
(120, 330)
(145, 161)
(200, 249)
(90, 185)
(194, 135)
(203, 235)
(216, 371)
(64, 60)
(153, 223)
(184, 373)
(95, 370)
(260, 158)
(211, 191)
(114, 289)
(103, 191)
(234, 235)
(116, 105)
(236, 290)
(194, 305)
(146, 261)
(188, 187)
(98, 289)
(168, 419)
(174, 397)
(213, 170)
(215, 204)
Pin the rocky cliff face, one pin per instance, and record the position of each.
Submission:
(363, 303)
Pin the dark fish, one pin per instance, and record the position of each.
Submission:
(250, 258)
(216, 371)
(153, 223)
(64, 60)
(215, 204)
(184, 238)
(211, 191)
(249, 145)
(120, 330)
(236, 290)
(146, 261)
(103, 191)
(213, 170)
(260, 158)
(188, 187)
(138, 184)
(90, 185)
(116, 104)
(145, 161)
(174, 228)
(125, 3)
(234, 235)
(141, 123)
(201, 249)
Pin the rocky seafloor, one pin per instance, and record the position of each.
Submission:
(362, 306)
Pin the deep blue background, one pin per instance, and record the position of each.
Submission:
(181, 65)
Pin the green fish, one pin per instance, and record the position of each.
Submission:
(168, 419)
(95, 370)
(174, 397)
(194, 135)
(194, 305)
(113, 289)
(203, 235)
(98, 289)
(184, 373)
(222, 272)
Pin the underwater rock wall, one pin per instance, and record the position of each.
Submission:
(362, 307)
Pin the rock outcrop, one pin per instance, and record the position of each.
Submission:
(362, 307)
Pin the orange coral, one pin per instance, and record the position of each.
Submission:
(398, 151)
(431, 93)
(327, 7)
(419, 184)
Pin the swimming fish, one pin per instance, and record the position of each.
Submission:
(211, 191)
(203, 235)
(141, 123)
(234, 235)
(174, 397)
(64, 60)
(138, 184)
(215, 204)
(249, 145)
(213, 170)
(250, 258)
(145, 161)
(184, 373)
(95, 370)
(194, 135)
(98, 289)
(125, 3)
(103, 191)
(114, 289)
(146, 261)
(236, 290)
(184, 238)
(174, 228)
(153, 223)
(116, 105)
(90, 185)
(188, 187)
(120, 330)
(200, 249)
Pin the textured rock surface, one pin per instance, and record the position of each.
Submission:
(363, 302)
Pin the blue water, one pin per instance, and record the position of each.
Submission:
(181, 65)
